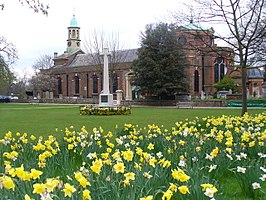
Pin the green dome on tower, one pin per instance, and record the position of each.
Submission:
(74, 22)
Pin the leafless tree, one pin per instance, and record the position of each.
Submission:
(94, 46)
(42, 82)
(8, 51)
(245, 23)
(43, 62)
(8, 55)
(98, 40)
(36, 5)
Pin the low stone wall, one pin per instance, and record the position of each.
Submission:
(152, 102)
(196, 103)
(58, 101)
(209, 103)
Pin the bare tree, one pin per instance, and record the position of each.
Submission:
(36, 5)
(99, 40)
(245, 23)
(8, 55)
(8, 51)
(43, 62)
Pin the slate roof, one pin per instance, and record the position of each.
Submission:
(121, 56)
(254, 73)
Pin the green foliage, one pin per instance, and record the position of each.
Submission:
(6, 77)
(159, 69)
(226, 83)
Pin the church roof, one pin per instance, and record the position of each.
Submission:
(254, 73)
(121, 56)
(74, 22)
(195, 27)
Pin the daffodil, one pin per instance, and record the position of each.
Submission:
(35, 174)
(180, 175)
(183, 189)
(86, 194)
(130, 176)
(69, 190)
(7, 182)
(119, 167)
(38, 188)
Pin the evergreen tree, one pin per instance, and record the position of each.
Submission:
(160, 67)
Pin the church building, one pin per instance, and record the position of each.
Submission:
(80, 75)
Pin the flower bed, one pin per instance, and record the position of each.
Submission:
(209, 158)
(94, 110)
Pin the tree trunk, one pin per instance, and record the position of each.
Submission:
(244, 89)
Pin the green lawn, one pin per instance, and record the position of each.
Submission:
(43, 119)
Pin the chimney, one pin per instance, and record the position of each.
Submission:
(55, 54)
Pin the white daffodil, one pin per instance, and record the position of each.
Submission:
(241, 170)
(256, 185)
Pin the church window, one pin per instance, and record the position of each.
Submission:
(115, 83)
(196, 81)
(219, 69)
(182, 40)
(73, 34)
(59, 86)
(198, 37)
(94, 84)
(76, 81)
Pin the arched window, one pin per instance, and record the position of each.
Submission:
(94, 84)
(115, 83)
(78, 34)
(196, 81)
(219, 69)
(76, 81)
(59, 86)
(73, 34)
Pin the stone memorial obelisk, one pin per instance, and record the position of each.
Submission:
(105, 98)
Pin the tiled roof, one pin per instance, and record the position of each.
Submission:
(121, 56)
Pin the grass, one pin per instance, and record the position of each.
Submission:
(43, 119)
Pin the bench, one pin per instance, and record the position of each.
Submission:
(184, 104)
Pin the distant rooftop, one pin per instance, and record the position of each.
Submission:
(121, 56)
(195, 27)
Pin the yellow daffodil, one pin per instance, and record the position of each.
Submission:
(150, 197)
(128, 155)
(38, 188)
(86, 194)
(130, 176)
(119, 167)
(35, 174)
(183, 189)
(180, 175)
(69, 190)
(7, 182)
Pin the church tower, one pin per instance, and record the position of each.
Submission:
(73, 41)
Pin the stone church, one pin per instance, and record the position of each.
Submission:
(80, 75)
